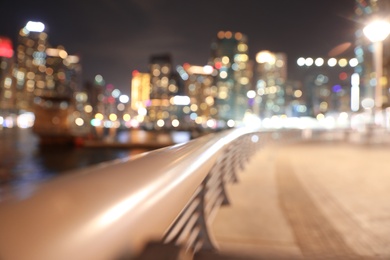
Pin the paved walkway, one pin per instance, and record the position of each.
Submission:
(311, 200)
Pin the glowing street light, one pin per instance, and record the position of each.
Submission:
(377, 32)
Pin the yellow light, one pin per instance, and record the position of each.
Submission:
(242, 47)
(297, 93)
(222, 94)
(343, 62)
(209, 100)
(225, 60)
(126, 117)
(320, 116)
(194, 107)
(63, 54)
(113, 117)
(79, 121)
(88, 108)
(99, 116)
(323, 106)
(244, 81)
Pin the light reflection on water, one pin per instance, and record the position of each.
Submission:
(23, 163)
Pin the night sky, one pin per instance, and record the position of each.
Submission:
(115, 37)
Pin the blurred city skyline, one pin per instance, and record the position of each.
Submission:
(115, 38)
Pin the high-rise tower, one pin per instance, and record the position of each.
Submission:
(271, 75)
(31, 63)
(230, 58)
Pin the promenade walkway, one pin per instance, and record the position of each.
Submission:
(310, 200)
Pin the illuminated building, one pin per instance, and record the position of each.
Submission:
(199, 87)
(95, 93)
(295, 99)
(7, 83)
(140, 90)
(271, 75)
(164, 85)
(230, 58)
(365, 11)
(31, 63)
(55, 105)
(327, 83)
(46, 80)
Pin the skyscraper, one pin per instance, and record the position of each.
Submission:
(230, 58)
(164, 84)
(46, 79)
(31, 63)
(271, 75)
(201, 90)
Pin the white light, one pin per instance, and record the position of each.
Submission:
(223, 74)
(332, 62)
(319, 62)
(343, 116)
(124, 98)
(211, 123)
(35, 26)
(160, 123)
(309, 62)
(301, 61)
(355, 79)
(175, 123)
(254, 138)
(180, 100)
(98, 78)
(230, 123)
(265, 57)
(353, 62)
(79, 121)
(142, 111)
(355, 98)
(208, 69)
(96, 122)
(25, 120)
(368, 103)
(251, 94)
(377, 31)
(116, 93)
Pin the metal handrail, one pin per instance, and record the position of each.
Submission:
(101, 211)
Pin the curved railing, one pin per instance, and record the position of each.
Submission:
(106, 211)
